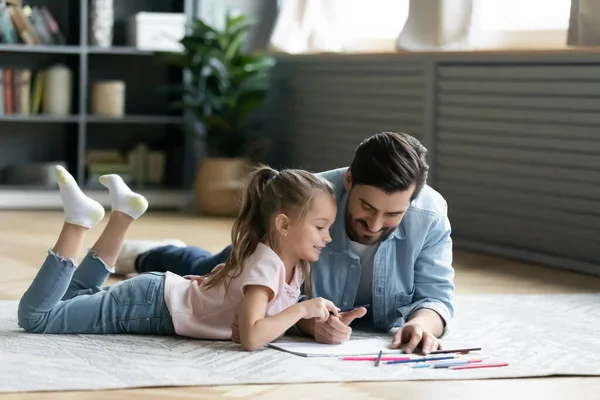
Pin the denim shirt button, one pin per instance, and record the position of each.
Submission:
(352, 266)
(345, 303)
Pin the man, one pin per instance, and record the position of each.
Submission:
(391, 248)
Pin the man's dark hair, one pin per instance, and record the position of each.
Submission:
(390, 161)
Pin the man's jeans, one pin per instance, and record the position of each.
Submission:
(64, 298)
(188, 260)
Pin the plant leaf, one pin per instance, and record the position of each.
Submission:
(248, 106)
(215, 121)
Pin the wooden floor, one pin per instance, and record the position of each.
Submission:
(26, 236)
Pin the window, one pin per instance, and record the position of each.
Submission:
(372, 25)
(520, 23)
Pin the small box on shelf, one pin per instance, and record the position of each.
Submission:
(155, 31)
(108, 98)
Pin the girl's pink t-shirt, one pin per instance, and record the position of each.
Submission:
(208, 314)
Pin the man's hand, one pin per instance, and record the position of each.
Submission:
(421, 331)
(411, 336)
(336, 330)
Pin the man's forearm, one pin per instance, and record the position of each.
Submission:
(428, 319)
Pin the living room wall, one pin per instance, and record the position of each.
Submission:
(513, 138)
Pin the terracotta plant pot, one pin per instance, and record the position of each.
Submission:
(218, 186)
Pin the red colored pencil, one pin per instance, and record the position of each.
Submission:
(473, 366)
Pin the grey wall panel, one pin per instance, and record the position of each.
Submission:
(533, 236)
(541, 128)
(492, 193)
(530, 102)
(542, 172)
(332, 105)
(525, 88)
(527, 115)
(514, 146)
(518, 158)
(539, 72)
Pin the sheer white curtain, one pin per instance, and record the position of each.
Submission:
(436, 25)
(519, 24)
(584, 29)
(305, 26)
(308, 26)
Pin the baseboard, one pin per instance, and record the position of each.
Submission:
(529, 256)
(20, 199)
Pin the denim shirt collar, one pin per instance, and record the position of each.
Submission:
(340, 240)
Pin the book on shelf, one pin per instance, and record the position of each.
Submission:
(28, 25)
(21, 91)
(140, 166)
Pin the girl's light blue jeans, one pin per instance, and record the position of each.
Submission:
(64, 298)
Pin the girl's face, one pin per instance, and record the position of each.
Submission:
(310, 235)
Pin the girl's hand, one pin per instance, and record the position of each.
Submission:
(318, 308)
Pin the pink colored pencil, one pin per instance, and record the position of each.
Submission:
(473, 366)
(384, 358)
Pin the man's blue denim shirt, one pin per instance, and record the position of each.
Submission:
(412, 268)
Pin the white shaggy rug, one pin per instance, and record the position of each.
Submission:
(538, 335)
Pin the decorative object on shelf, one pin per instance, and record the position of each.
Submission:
(108, 98)
(227, 86)
(101, 22)
(154, 31)
(58, 89)
(32, 174)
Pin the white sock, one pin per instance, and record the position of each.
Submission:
(78, 208)
(123, 199)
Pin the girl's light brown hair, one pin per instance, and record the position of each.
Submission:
(267, 194)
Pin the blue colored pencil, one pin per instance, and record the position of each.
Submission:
(442, 365)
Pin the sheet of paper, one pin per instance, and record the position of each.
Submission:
(351, 348)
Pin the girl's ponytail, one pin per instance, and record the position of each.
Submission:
(248, 229)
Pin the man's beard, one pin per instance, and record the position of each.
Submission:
(364, 239)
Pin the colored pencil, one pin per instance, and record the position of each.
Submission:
(383, 358)
(480, 366)
(378, 358)
(422, 360)
(447, 364)
(455, 350)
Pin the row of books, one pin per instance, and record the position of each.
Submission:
(28, 25)
(139, 166)
(17, 94)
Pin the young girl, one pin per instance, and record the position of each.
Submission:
(283, 225)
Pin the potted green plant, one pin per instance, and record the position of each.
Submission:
(226, 86)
